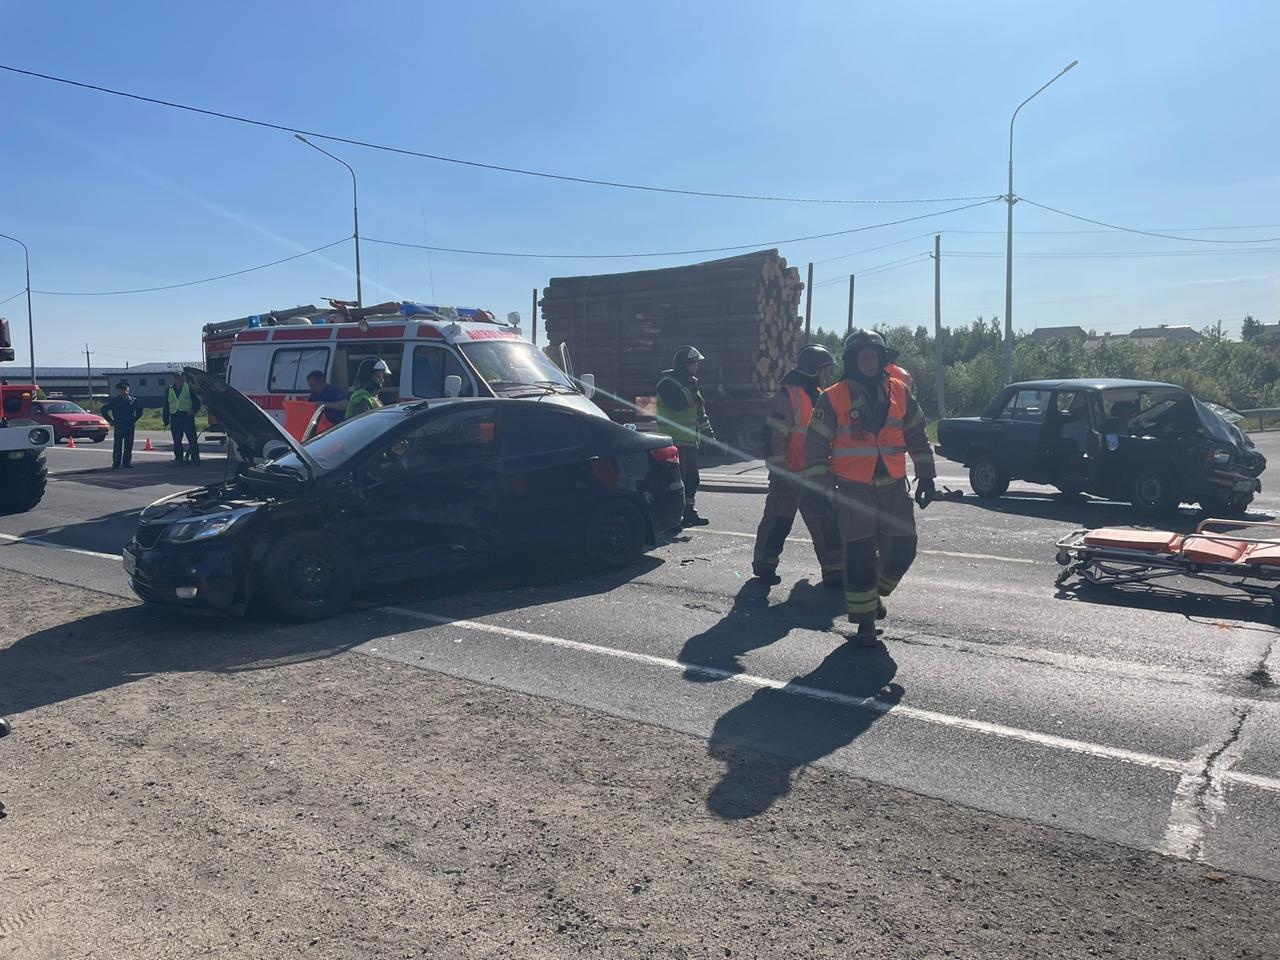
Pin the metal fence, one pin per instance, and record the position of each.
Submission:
(1261, 417)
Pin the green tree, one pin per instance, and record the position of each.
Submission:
(1249, 328)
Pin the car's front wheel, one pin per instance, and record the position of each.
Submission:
(616, 534)
(1151, 491)
(986, 478)
(306, 576)
(98, 437)
(1228, 507)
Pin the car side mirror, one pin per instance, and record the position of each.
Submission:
(452, 385)
(588, 381)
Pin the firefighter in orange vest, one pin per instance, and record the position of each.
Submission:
(856, 452)
(789, 421)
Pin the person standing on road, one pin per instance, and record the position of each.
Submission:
(682, 412)
(122, 411)
(334, 398)
(371, 376)
(179, 414)
(789, 422)
(855, 453)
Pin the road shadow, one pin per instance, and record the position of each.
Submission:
(1206, 605)
(105, 534)
(1092, 512)
(752, 623)
(764, 741)
(151, 472)
(105, 650)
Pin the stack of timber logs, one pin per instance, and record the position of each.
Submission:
(624, 327)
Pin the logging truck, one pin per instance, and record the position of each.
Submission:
(742, 312)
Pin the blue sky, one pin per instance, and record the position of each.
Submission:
(1168, 122)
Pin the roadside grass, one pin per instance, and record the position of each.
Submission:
(151, 420)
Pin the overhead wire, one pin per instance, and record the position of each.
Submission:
(188, 283)
(878, 268)
(501, 168)
(674, 253)
(1108, 255)
(1143, 233)
(14, 297)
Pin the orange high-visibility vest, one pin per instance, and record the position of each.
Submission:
(854, 451)
(801, 414)
(902, 374)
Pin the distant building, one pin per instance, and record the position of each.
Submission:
(148, 381)
(63, 383)
(1166, 334)
(1058, 333)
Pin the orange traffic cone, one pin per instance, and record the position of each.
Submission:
(148, 444)
(71, 443)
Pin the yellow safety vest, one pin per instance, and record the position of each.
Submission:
(180, 402)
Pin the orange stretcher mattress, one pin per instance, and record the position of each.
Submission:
(1126, 538)
(1263, 555)
(1213, 550)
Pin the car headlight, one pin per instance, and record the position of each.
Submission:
(206, 528)
(38, 437)
(1221, 456)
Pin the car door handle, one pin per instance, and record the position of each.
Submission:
(588, 458)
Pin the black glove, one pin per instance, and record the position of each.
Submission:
(926, 492)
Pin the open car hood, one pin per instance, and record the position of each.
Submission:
(256, 435)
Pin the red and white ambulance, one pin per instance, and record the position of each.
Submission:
(432, 351)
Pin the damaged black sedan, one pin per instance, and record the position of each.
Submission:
(400, 493)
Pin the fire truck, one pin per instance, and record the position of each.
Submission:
(23, 471)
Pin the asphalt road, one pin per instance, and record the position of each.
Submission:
(1151, 723)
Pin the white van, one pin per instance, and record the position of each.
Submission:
(424, 347)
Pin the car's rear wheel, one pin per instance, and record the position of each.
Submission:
(1151, 491)
(306, 576)
(986, 478)
(616, 534)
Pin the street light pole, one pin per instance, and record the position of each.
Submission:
(1008, 256)
(31, 336)
(355, 210)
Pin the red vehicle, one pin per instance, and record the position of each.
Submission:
(68, 420)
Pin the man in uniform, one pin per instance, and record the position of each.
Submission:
(179, 415)
(789, 421)
(682, 412)
(861, 431)
(122, 411)
(333, 397)
(371, 376)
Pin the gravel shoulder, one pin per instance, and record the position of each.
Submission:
(258, 790)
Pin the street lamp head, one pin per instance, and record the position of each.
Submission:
(1070, 65)
(298, 136)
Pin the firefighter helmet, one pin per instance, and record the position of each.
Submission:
(812, 358)
(864, 338)
(685, 355)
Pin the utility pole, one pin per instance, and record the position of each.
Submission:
(937, 325)
(535, 316)
(808, 302)
(355, 209)
(1011, 199)
(31, 332)
(848, 327)
(88, 370)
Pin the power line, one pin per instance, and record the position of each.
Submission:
(187, 283)
(878, 268)
(675, 253)
(1144, 233)
(14, 297)
(883, 246)
(1112, 255)
(466, 163)
(1251, 226)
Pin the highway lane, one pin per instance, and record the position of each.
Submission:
(1152, 725)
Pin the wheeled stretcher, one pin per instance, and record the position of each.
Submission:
(1117, 556)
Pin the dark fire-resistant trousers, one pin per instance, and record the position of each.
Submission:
(878, 528)
(689, 474)
(785, 497)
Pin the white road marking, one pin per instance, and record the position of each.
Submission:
(37, 542)
(932, 553)
(1002, 731)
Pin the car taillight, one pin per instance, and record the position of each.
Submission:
(669, 454)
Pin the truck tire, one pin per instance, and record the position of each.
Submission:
(616, 534)
(751, 435)
(306, 576)
(986, 477)
(22, 482)
(1151, 491)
